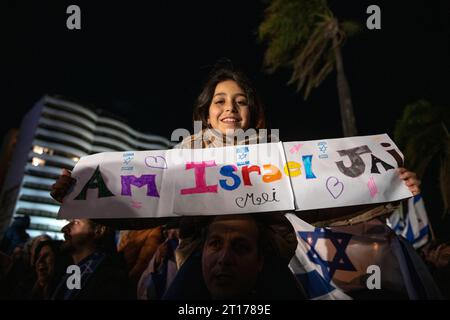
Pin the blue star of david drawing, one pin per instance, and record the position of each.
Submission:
(322, 147)
(242, 156)
(127, 160)
(340, 260)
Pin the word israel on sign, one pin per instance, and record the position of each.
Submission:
(239, 179)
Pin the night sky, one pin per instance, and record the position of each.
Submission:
(146, 63)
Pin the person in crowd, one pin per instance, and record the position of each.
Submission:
(15, 235)
(32, 245)
(138, 248)
(232, 257)
(161, 269)
(21, 276)
(242, 257)
(437, 257)
(50, 265)
(102, 274)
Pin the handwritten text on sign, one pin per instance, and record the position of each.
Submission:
(254, 178)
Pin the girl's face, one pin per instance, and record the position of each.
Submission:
(229, 108)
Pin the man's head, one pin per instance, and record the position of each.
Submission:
(82, 233)
(232, 256)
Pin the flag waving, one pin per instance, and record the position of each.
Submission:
(411, 221)
(367, 260)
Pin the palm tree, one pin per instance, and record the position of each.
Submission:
(423, 134)
(305, 36)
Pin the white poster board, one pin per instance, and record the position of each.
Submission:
(344, 172)
(267, 177)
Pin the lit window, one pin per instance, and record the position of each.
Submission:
(42, 150)
(37, 162)
(38, 149)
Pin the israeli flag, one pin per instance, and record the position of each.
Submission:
(411, 222)
(307, 266)
(335, 263)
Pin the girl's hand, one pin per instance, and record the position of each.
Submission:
(62, 186)
(411, 180)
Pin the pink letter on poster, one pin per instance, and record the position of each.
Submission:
(200, 179)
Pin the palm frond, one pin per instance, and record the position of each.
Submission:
(301, 35)
(423, 134)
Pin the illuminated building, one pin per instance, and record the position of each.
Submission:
(53, 135)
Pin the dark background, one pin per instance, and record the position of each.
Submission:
(147, 63)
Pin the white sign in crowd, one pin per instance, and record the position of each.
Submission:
(283, 176)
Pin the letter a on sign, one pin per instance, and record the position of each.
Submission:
(95, 182)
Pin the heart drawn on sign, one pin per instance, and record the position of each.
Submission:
(334, 187)
(157, 162)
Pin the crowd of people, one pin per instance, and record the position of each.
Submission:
(208, 257)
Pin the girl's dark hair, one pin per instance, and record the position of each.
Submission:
(222, 73)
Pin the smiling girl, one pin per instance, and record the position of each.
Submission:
(227, 102)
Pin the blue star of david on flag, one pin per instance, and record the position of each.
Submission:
(339, 240)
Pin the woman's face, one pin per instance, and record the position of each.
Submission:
(34, 245)
(45, 264)
(229, 108)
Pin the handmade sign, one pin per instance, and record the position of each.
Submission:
(344, 172)
(267, 177)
